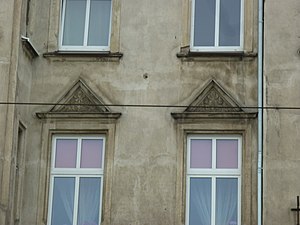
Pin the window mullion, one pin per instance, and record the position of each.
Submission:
(86, 26)
(214, 155)
(217, 22)
(239, 200)
(100, 200)
(53, 154)
(63, 22)
(79, 141)
(51, 199)
(213, 201)
(76, 200)
(242, 24)
(192, 23)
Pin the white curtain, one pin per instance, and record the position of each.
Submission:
(200, 201)
(63, 201)
(99, 23)
(89, 201)
(73, 33)
(226, 201)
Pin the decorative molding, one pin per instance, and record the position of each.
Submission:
(213, 98)
(79, 102)
(213, 102)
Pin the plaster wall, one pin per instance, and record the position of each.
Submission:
(6, 66)
(144, 172)
(282, 83)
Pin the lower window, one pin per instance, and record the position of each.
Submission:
(213, 180)
(76, 180)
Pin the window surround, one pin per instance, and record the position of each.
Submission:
(65, 126)
(83, 47)
(214, 173)
(218, 124)
(77, 173)
(57, 124)
(249, 35)
(54, 35)
(216, 47)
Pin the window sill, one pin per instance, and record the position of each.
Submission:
(84, 56)
(186, 55)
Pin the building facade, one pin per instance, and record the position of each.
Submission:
(133, 112)
(281, 157)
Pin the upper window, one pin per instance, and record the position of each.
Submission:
(213, 180)
(76, 180)
(217, 25)
(85, 25)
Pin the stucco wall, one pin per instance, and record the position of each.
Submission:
(144, 164)
(281, 157)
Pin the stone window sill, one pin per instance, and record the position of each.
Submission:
(84, 56)
(186, 55)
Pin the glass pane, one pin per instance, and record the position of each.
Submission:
(200, 155)
(227, 154)
(204, 23)
(89, 201)
(63, 201)
(91, 153)
(227, 201)
(66, 151)
(230, 19)
(99, 23)
(200, 201)
(73, 33)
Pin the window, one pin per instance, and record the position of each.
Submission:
(213, 180)
(85, 25)
(76, 180)
(217, 25)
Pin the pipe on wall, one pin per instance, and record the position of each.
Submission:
(260, 114)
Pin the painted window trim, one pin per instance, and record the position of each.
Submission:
(213, 173)
(84, 47)
(76, 173)
(216, 48)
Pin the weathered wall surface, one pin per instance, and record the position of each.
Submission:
(282, 127)
(8, 57)
(144, 163)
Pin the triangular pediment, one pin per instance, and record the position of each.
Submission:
(213, 98)
(79, 99)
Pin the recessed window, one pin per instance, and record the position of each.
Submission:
(85, 25)
(217, 25)
(76, 180)
(213, 180)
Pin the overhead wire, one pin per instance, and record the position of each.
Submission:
(151, 105)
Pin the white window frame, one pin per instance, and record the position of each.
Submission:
(216, 47)
(76, 173)
(83, 47)
(213, 173)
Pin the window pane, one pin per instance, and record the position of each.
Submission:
(91, 153)
(200, 201)
(227, 201)
(74, 22)
(63, 201)
(227, 153)
(89, 201)
(66, 151)
(201, 154)
(99, 22)
(204, 23)
(230, 19)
